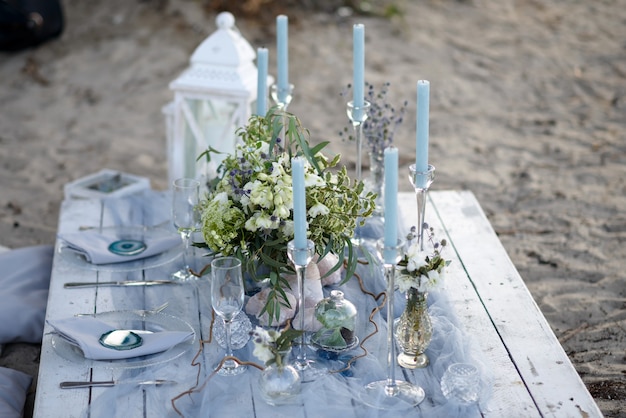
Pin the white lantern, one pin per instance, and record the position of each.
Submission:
(212, 99)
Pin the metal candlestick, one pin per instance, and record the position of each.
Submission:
(391, 394)
(421, 181)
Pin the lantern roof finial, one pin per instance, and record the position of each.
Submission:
(225, 46)
(225, 20)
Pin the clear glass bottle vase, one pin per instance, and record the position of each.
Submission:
(280, 382)
(413, 331)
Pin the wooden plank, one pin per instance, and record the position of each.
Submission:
(536, 353)
(509, 396)
(63, 302)
(50, 401)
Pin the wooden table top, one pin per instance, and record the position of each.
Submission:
(529, 373)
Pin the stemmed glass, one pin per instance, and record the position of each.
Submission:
(300, 258)
(391, 394)
(227, 296)
(185, 217)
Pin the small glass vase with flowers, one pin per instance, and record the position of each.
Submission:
(418, 273)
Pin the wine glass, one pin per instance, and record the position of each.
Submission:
(227, 296)
(186, 218)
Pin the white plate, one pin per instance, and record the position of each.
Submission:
(141, 233)
(130, 320)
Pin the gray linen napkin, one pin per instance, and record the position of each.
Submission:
(96, 247)
(85, 333)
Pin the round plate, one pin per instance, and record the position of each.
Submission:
(131, 233)
(130, 320)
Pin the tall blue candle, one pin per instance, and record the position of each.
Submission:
(282, 56)
(299, 202)
(358, 64)
(391, 203)
(421, 147)
(261, 92)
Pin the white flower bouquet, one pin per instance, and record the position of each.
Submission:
(419, 269)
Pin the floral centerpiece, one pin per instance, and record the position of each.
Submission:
(248, 212)
(419, 272)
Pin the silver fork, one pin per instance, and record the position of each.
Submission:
(158, 309)
(142, 312)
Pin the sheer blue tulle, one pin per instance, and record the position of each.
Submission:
(337, 392)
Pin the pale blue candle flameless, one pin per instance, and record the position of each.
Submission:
(282, 55)
(261, 93)
(299, 203)
(358, 38)
(391, 204)
(421, 147)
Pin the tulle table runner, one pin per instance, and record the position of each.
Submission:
(336, 394)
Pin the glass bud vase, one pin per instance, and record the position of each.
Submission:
(280, 382)
(413, 331)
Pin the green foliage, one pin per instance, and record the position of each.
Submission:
(249, 211)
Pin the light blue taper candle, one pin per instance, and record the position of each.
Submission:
(391, 204)
(299, 203)
(282, 56)
(421, 147)
(261, 92)
(358, 64)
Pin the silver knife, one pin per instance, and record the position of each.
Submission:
(120, 283)
(109, 383)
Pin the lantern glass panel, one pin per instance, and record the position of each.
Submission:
(208, 123)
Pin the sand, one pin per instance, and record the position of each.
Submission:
(528, 106)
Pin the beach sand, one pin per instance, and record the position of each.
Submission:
(528, 111)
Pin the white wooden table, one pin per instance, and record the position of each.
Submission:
(531, 374)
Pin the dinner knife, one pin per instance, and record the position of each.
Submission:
(119, 283)
(109, 383)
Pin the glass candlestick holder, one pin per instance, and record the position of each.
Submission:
(300, 259)
(421, 181)
(357, 116)
(391, 394)
(281, 96)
